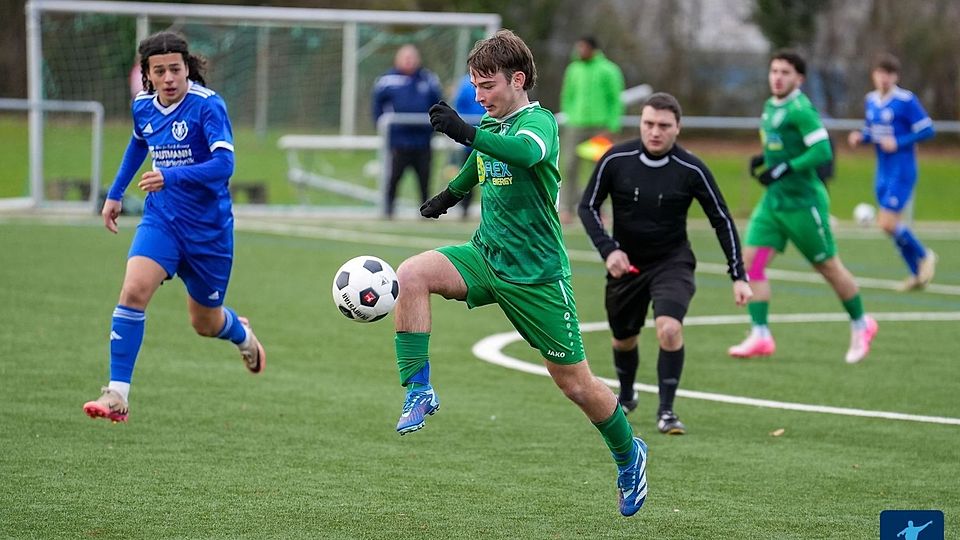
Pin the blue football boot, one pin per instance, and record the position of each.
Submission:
(632, 481)
(416, 407)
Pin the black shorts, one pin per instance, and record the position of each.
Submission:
(668, 282)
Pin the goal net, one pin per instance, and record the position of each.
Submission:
(281, 71)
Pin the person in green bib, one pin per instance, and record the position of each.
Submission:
(516, 258)
(795, 208)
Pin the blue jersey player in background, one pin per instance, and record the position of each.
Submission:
(187, 226)
(895, 122)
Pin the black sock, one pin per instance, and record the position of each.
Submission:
(669, 368)
(626, 364)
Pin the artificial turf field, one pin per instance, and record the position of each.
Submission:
(308, 449)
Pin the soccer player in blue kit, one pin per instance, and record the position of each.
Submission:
(895, 122)
(187, 225)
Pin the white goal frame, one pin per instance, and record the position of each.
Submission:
(36, 196)
(257, 15)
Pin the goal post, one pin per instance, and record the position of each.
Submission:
(280, 70)
(89, 188)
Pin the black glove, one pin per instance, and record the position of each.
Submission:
(755, 163)
(439, 203)
(447, 121)
(773, 174)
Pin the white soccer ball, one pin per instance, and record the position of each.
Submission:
(864, 214)
(365, 289)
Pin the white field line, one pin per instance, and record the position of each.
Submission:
(388, 239)
(422, 242)
(490, 350)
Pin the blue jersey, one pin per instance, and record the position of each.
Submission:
(465, 102)
(181, 138)
(899, 115)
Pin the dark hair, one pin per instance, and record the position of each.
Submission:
(589, 40)
(793, 57)
(663, 101)
(887, 62)
(506, 52)
(166, 43)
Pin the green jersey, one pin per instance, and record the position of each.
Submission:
(514, 160)
(791, 131)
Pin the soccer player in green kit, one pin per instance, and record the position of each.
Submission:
(516, 258)
(795, 207)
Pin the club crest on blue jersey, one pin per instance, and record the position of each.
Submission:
(179, 130)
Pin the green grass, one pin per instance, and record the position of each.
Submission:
(259, 160)
(308, 449)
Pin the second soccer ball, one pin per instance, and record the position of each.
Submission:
(864, 214)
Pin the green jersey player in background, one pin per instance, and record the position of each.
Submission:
(516, 258)
(795, 207)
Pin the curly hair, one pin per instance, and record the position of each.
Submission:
(166, 43)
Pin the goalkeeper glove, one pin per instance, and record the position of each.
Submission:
(447, 121)
(773, 174)
(439, 204)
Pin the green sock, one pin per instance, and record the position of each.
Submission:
(758, 312)
(618, 434)
(854, 307)
(412, 354)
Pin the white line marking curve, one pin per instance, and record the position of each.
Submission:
(490, 349)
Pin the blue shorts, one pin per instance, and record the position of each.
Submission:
(894, 190)
(204, 268)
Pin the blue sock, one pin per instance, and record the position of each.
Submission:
(910, 248)
(232, 329)
(126, 336)
(420, 380)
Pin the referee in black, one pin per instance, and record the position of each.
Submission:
(651, 183)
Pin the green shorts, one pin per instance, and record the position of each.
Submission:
(544, 314)
(808, 229)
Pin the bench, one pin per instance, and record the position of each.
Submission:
(62, 189)
(253, 192)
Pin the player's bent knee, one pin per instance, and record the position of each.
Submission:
(623, 345)
(135, 296)
(574, 383)
(889, 226)
(412, 274)
(670, 334)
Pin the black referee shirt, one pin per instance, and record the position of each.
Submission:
(650, 198)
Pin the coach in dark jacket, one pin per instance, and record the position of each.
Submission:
(407, 88)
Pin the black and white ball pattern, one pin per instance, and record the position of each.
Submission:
(365, 289)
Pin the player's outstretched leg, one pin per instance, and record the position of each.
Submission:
(419, 403)
(860, 339)
(251, 350)
(632, 479)
(109, 405)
